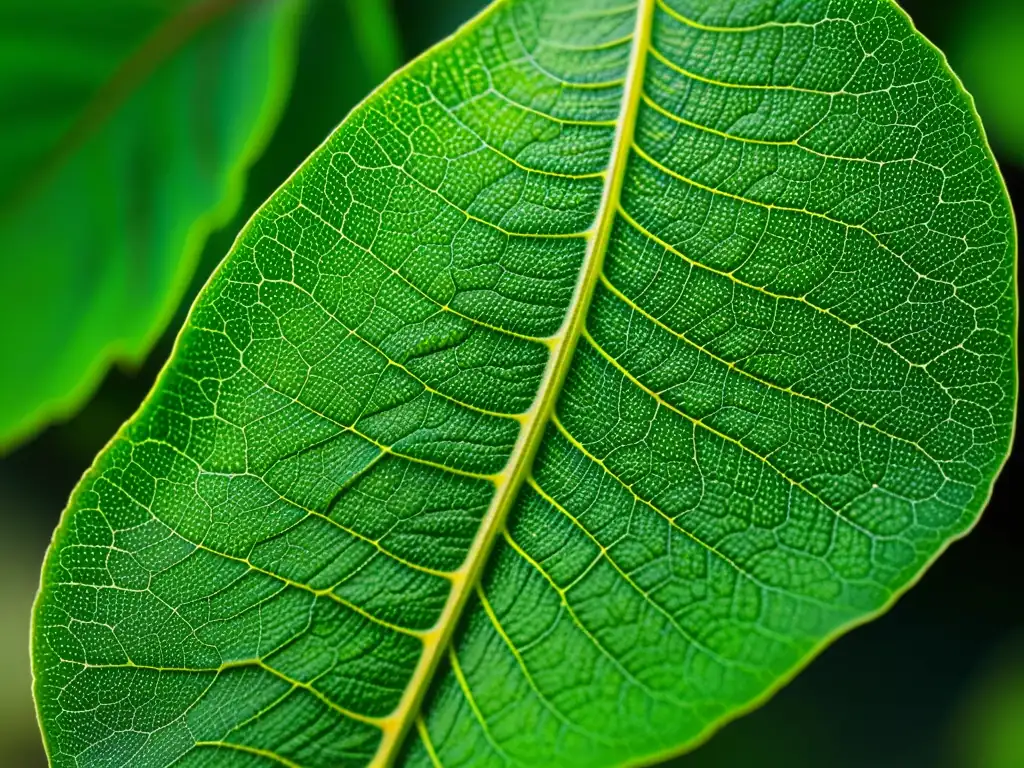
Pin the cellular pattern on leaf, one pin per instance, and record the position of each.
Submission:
(603, 366)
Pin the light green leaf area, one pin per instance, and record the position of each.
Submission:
(125, 139)
(603, 366)
(987, 731)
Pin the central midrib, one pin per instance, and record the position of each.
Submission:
(534, 421)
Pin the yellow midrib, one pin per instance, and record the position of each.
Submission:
(562, 346)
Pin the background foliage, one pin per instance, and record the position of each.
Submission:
(937, 682)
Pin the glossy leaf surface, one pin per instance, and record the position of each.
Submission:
(125, 141)
(601, 368)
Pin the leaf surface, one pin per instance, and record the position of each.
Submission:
(603, 366)
(126, 139)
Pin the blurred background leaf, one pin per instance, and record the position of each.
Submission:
(126, 138)
(986, 50)
(988, 735)
(937, 683)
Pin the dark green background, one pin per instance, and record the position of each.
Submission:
(938, 682)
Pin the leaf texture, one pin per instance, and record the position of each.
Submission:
(125, 140)
(603, 366)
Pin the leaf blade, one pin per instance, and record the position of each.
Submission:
(732, 472)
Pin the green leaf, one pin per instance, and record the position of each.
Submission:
(988, 50)
(987, 732)
(604, 365)
(125, 141)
